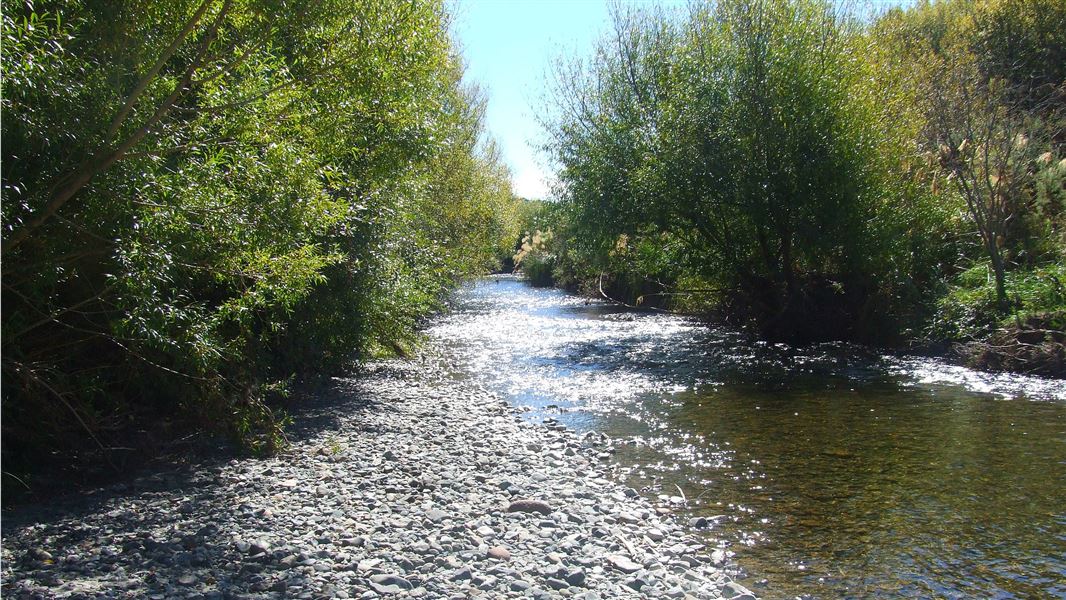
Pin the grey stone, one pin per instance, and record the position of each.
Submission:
(576, 577)
(462, 574)
(530, 506)
(636, 583)
(556, 584)
(735, 591)
(623, 563)
(390, 579)
(187, 579)
(368, 563)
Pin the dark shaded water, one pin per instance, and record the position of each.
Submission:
(828, 472)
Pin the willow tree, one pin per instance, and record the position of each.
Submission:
(744, 133)
(203, 199)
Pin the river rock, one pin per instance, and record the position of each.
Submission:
(735, 591)
(556, 584)
(187, 579)
(530, 506)
(259, 546)
(623, 563)
(637, 583)
(462, 574)
(576, 577)
(499, 553)
(389, 584)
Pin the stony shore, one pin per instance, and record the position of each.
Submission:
(402, 483)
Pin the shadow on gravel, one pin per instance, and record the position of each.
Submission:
(313, 411)
(175, 531)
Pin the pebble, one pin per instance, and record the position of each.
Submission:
(461, 575)
(576, 578)
(623, 563)
(557, 584)
(499, 553)
(530, 506)
(389, 584)
(735, 591)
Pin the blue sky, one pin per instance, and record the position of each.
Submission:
(509, 46)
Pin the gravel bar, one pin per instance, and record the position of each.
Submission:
(404, 483)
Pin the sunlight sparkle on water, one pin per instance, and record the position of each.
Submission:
(830, 470)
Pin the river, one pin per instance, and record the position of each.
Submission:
(826, 472)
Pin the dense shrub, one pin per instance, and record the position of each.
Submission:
(814, 175)
(204, 200)
(744, 146)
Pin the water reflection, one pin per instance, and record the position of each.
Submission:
(831, 471)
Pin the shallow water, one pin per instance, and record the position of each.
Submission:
(829, 472)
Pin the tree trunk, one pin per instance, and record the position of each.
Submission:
(998, 272)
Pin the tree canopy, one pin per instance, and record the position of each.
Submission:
(206, 200)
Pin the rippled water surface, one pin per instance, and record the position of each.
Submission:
(828, 472)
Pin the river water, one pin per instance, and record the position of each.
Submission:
(826, 472)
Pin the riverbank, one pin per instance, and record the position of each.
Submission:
(398, 483)
(1035, 345)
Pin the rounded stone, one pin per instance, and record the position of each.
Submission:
(499, 553)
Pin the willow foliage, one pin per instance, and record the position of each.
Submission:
(205, 199)
(783, 161)
(747, 134)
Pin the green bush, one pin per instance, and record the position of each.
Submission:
(968, 311)
(814, 175)
(204, 200)
(539, 269)
(747, 146)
